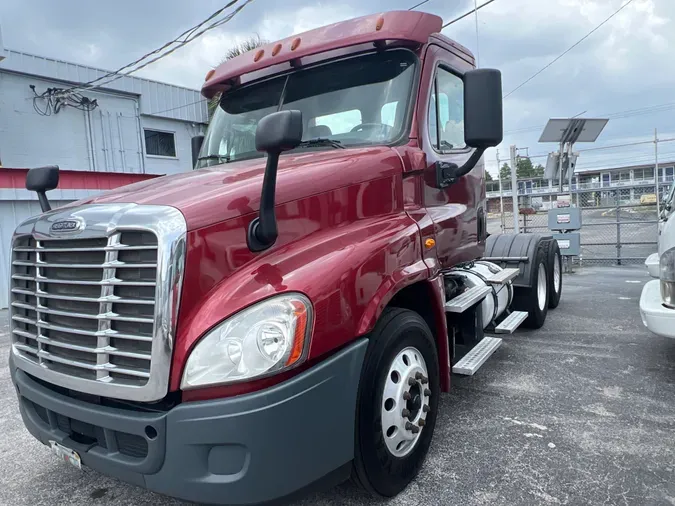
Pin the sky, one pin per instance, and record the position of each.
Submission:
(618, 72)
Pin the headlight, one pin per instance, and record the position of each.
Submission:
(667, 277)
(263, 339)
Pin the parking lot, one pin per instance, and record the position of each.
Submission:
(581, 411)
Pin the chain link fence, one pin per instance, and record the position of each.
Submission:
(619, 225)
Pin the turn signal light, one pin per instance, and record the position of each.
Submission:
(430, 243)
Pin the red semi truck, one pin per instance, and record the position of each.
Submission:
(287, 314)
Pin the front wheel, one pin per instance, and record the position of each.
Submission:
(397, 403)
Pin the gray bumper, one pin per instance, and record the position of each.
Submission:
(248, 449)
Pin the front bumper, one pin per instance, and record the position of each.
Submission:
(248, 449)
(655, 316)
(653, 265)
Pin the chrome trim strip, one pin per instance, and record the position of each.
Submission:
(108, 221)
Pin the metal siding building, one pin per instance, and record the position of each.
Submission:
(100, 144)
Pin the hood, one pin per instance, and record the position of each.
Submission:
(222, 192)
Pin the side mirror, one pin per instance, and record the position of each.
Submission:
(276, 132)
(483, 122)
(42, 180)
(197, 142)
(483, 117)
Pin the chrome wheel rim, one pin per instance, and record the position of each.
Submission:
(557, 278)
(541, 287)
(405, 402)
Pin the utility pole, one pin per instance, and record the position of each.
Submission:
(502, 220)
(514, 191)
(656, 172)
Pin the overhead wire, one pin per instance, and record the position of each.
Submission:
(568, 49)
(468, 14)
(417, 5)
(183, 39)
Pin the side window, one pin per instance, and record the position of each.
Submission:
(338, 123)
(446, 112)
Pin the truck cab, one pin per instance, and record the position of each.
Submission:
(287, 314)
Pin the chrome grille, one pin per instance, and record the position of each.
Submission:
(85, 307)
(95, 309)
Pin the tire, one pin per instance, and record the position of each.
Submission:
(376, 468)
(530, 299)
(554, 286)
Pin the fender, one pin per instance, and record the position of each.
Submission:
(349, 272)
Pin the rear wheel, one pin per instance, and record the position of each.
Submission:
(397, 403)
(554, 275)
(534, 299)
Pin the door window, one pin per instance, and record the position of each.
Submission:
(446, 112)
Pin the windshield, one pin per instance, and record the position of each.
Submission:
(357, 101)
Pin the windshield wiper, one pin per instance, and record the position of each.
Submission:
(321, 142)
(226, 158)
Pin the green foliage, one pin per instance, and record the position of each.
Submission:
(524, 170)
(488, 176)
(243, 47)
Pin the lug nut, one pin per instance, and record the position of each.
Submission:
(421, 378)
(412, 428)
(427, 392)
(411, 381)
(421, 422)
(405, 413)
(407, 396)
(426, 408)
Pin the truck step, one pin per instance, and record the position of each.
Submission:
(467, 299)
(477, 356)
(511, 322)
(504, 276)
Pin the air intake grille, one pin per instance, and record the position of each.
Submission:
(85, 307)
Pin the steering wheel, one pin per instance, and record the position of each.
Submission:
(384, 129)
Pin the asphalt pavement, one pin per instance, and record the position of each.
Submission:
(579, 412)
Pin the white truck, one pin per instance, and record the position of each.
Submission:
(657, 301)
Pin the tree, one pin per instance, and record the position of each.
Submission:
(505, 172)
(247, 45)
(488, 176)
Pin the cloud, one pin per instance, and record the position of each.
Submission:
(625, 65)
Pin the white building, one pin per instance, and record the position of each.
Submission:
(127, 130)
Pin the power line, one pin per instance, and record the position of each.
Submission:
(568, 50)
(640, 143)
(417, 5)
(155, 113)
(613, 115)
(183, 39)
(469, 13)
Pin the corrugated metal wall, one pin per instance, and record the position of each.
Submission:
(158, 99)
(11, 214)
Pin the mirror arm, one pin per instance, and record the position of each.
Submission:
(44, 202)
(449, 173)
(262, 231)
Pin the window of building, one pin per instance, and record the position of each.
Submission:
(446, 112)
(340, 122)
(160, 143)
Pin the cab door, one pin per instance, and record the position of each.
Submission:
(457, 211)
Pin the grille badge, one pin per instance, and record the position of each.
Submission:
(69, 226)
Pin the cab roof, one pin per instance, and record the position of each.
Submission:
(407, 26)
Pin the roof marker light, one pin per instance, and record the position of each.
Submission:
(259, 54)
(295, 44)
(276, 50)
(380, 24)
(209, 74)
